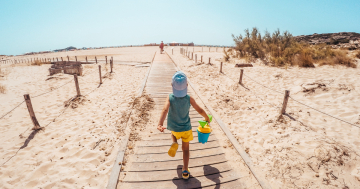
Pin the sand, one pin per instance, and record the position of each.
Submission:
(306, 149)
(78, 145)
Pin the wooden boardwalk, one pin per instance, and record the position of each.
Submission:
(152, 167)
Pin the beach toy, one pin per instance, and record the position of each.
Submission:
(204, 130)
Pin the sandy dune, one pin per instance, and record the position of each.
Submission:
(77, 148)
(78, 145)
(311, 150)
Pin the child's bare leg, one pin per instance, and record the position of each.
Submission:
(186, 154)
(173, 138)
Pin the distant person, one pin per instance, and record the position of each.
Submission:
(177, 107)
(161, 47)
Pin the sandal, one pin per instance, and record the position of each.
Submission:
(173, 149)
(186, 174)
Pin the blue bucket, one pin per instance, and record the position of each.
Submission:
(203, 137)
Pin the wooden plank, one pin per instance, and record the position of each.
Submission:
(114, 175)
(165, 149)
(178, 156)
(243, 65)
(168, 175)
(160, 142)
(169, 165)
(192, 182)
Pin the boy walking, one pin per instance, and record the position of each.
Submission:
(177, 107)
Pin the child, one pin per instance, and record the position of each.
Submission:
(177, 107)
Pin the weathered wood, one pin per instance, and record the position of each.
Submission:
(75, 58)
(86, 58)
(62, 59)
(241, 76)
(111, 65)
(31, 112)
(213, 180)
(114, 175)
(95, 59)
(68, 58)
(106, 59)
(201, 58)
(286, 98)
(195, 58)
(209, 60)
(197, 171)
(221, 67)
(139, 166)
(57, 59)
(243, 65)
(77, 85)
(100, 74)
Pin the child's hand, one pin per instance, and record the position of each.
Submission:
(161, 128)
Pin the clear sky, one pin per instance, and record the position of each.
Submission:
(39, 25)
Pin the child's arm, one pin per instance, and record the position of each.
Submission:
(165, 110)
(199, 109)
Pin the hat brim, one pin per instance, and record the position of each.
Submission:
(180, 93)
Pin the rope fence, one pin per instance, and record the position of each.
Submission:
(32, 113)
(190, 56)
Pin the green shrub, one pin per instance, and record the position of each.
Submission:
(283, 50)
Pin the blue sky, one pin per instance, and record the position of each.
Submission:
(38, 25)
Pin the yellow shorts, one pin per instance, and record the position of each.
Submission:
(186, 136)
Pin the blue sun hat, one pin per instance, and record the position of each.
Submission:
(179, 84)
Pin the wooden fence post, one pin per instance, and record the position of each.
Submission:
(75, 58)
(209, 60)
(62, 60)
(106, 59)
(192, 56)
(241, 76)
(221, 67)
(68, 58)
(195, 58)
(95, 59)
(100, 74)
(86, 58)
(286, 98)
(111, 65)
(31, 112)
(57, 59)
(77, 85)
(201, 58)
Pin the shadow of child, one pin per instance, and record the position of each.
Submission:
(192, 182)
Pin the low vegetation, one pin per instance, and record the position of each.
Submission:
(37, 63)
(282, 50)
(357, 54)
